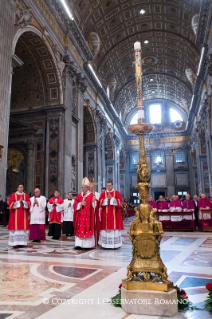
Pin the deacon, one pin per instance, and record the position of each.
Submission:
(151, 202)
(111, 221)
(37, 218)
(86, 218)
(55, 208)
(162, 204)
(19, 204)
(68, 216)
(176, 204)
(204, 202)
(188, 203)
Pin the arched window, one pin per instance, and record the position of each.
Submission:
(155, 113)
(175, 116)
(134, 119)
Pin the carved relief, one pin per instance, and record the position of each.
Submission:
(91, 165)
(108, 147)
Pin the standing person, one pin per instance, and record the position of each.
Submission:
(188, 203)
(176, 204)
(196, 209)
(111, 221)
(125, 207)
(86, 218)
(3, 211)
(92, 190)
(19, 204)
(204, 202)
(68, 228)
(162, 204)
(151, 202)
(55, 208)
(37, 217)
(103, 189)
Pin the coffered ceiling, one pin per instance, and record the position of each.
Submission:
(171, 49)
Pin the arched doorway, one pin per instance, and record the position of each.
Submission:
(36, 97)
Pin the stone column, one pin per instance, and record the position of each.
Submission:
(81, 86)
(7, 20)
(170, 172)
(30, 168)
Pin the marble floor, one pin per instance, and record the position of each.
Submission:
(52, 280)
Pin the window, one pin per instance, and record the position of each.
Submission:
(180, 193)
(175, 116)
(157, 158)
(135, 194)
(180, 157)
(155, 113)
(134, 119)
(135, 158)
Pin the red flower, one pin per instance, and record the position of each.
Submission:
(185, 297)
(175, 288)
(182, 292)
(209, 286)
(120, 286)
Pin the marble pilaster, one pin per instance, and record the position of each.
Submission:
(30, 183)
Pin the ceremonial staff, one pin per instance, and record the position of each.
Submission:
(95, 231)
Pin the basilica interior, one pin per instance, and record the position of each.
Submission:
(67, 98)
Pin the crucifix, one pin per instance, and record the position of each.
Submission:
(94, 184)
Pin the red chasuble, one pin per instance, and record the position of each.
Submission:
(111, 215)
(18, 217)
(55, 217)
(86, 219)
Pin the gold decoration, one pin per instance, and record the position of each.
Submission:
(162, 140)
(146, 270)
(14, 159)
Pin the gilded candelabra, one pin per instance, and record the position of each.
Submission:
(146, 270)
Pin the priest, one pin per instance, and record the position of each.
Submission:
(188, 203)
(151, 202)
(37, 217)
(111, 221)
(162, 204)
(86, 218)
(55, 208)
(204, 202)
(19, 204)
(176, 204)
(68, 228)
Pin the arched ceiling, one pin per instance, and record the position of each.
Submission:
(166, 24)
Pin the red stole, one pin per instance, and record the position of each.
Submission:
(55, 217)
(18, 217)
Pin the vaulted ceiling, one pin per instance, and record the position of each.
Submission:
(171, 49)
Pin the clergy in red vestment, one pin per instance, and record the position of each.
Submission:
(162, 204)
(86, 218)
(204, 202)
(55, 208)
(111, 219)
(151, 202)
(188, 203)
(176, 204)
(19, 204)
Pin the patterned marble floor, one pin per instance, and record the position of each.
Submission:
(52, 280)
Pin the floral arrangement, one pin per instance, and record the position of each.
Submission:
(116, 300)
(182, 299)
(208, 301)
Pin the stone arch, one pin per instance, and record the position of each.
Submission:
(41, 84)
(89, 126)
(109, 147)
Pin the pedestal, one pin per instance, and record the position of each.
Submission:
(149, 302)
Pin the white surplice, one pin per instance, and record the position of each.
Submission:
(68, 210)
(37, 212)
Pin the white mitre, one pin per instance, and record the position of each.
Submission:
(85, 182)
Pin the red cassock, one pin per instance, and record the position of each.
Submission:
(18, 217)
(55, 217)
(111, 217)
(202, 203)
(162, 205)
(86, 219)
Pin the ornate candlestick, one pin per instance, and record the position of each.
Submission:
(146, 270)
